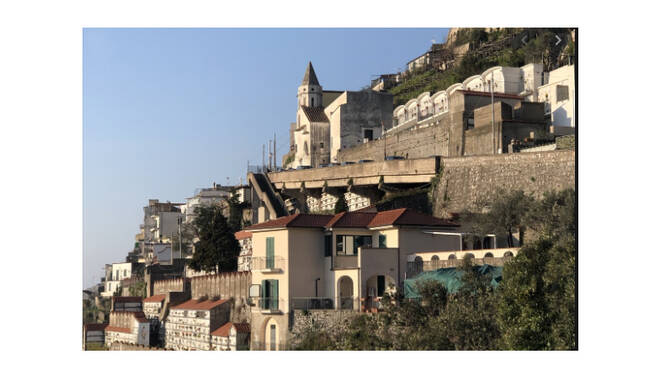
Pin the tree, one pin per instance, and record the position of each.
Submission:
(507, 213)
(217, 249)
(537, 309)
(341, 205)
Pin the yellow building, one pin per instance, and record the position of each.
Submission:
(345, 261)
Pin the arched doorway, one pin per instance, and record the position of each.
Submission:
(345, 287)
(270, 335)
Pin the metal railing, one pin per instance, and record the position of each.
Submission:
(269, 304)
(267, 263)
(312, 303)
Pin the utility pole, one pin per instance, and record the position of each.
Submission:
(274, 151)
(270, 154)
(492, 107)
(180, 243)
(263, 157)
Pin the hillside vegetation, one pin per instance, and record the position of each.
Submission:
(489, 49)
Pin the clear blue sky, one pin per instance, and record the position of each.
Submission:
(166, 111)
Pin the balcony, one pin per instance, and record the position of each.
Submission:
(267, 264)
(344, 262)
(312, 303)
(269, 305)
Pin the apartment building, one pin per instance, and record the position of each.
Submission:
(189, 325)
(345, 261)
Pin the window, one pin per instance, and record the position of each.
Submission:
(347, 245)
(269, 294)
(562, 93)
(382, 241)
(312, 101)
(328, 246)
(320, 144)
(270, 252)
(369, 134)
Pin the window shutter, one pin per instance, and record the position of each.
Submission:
(274, 293)
(264, 293)
(270, 252)
(382, 240)
(381, 285)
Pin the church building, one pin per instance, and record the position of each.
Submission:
(328, 121)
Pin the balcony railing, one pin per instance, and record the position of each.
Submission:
(269, 305)
(312, 303)
(267, 263)
(340, 262)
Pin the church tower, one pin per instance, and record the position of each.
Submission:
(310, 92)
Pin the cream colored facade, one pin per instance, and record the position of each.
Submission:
(329, 268)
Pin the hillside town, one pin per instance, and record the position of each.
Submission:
(381, 189)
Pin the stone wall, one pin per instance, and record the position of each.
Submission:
(123, 346)
(414, 143)
(465, 180)
(165, 286)
(227, 285)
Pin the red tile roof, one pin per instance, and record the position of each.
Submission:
(296, 220)
(118, 329)
(224, 329)
(155, 298)
(315, 114)
(243, 235)
(401, 216)
(487, 94)
(406, 216)
(196, 304)
(351, 219)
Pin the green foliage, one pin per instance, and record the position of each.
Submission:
(138, 289)
(508, 213)
(341, 205)
(218, 249)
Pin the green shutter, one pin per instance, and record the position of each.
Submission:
(262, 300)
(274, 294)
(270, 252)
(382, 240)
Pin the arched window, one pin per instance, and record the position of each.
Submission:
(469, 256)
(312, 101)
(452, 256)
(488, 255)
(435, 262)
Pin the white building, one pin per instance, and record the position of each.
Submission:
(556, 89)
(189, 325)
(245, 240)
(203, 197)
(127, 327)
(117, 272)
(231, 337)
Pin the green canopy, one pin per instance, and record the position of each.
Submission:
(450, 277)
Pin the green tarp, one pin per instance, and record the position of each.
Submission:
(450, 277)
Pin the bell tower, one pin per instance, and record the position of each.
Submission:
(310, 92)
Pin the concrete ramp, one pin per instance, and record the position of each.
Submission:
(267, 194)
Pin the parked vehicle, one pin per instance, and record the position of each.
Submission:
(364, 161)
(393, 158)
(346, 163)
(303, 167)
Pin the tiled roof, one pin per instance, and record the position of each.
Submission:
(243, 235)
(137, 315)
(155, 298)
(315, 114)
(96, 326)
(351, 219)
(224, 329)
(401, 216)
(406, 216)
(118, 329)
(196, 304)
(296, 220)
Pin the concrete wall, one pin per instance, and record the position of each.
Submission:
(466, 179)
(225, 285)
(165, 286)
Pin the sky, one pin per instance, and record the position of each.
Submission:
(167, 111)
